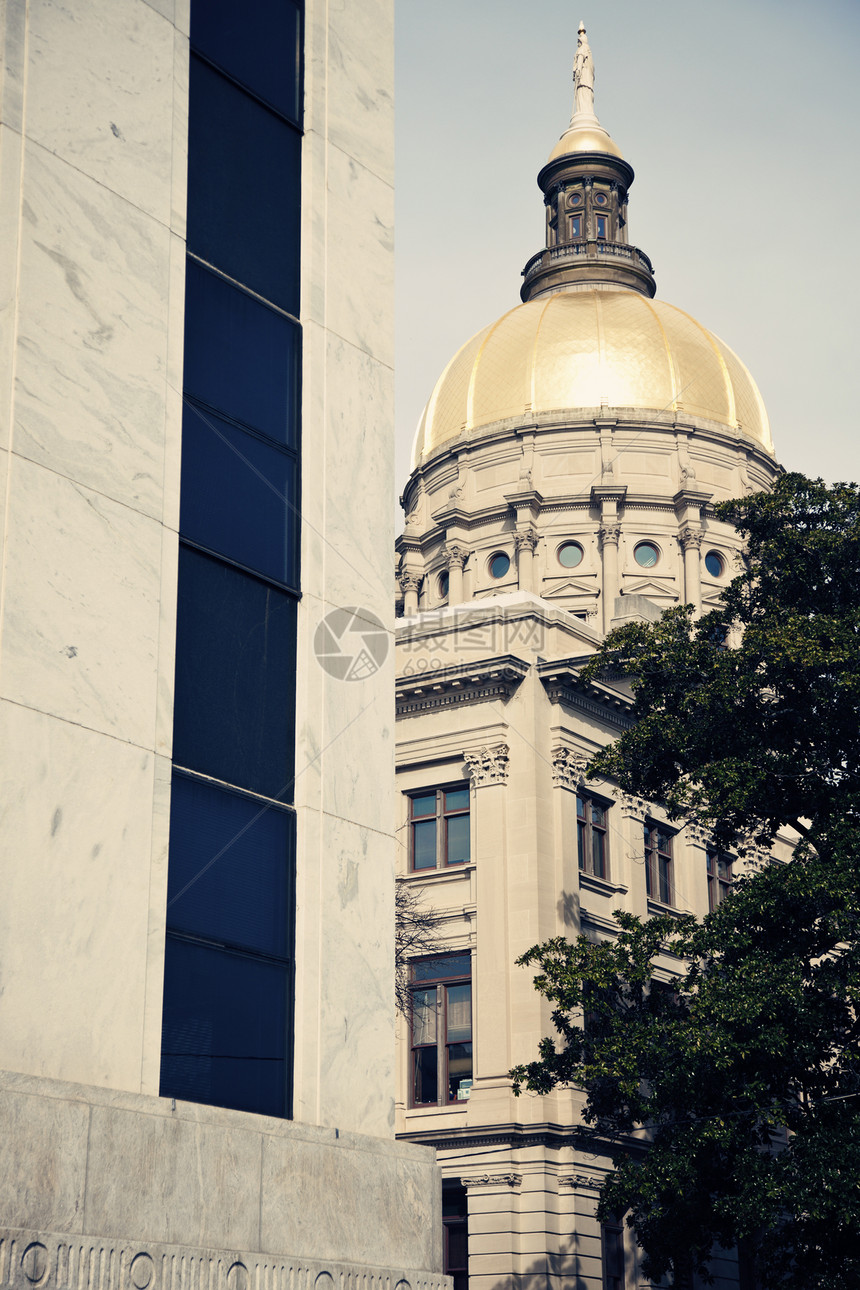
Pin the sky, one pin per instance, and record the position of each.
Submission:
(741, 119)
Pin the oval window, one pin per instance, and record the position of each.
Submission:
(575, 199)
(443, 585)
(715, 564)
(570, 555)
(600, 199)
(499, 565)
(646, 554)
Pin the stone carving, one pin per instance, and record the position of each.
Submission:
(412, 522)
(691, 538)
(583, 76)
(568, 767)
(492, 1180)
(688, 472)
(609, 534)
(457, 492)
(489, 766)
(526, 541)
(697, 834)
(456, 555)
(408, 582)
(636, 807)
(588, 1181)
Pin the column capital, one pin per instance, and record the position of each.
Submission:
(568, 767)
(691, 539)
(609, 534)
(526, 540)
(456, 555)
(636, 808)
(489, 765)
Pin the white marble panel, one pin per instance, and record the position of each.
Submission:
(10, 205)
(360, 265)
(75, 815)
(80, 629)
(92, 348)
(360, 98)
(13, 54)
(150, 1072)
(100, 94)
(179, 146)
(173, 396)
(356, 1017)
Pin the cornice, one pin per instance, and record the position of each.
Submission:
(561, 680)
(479, 682)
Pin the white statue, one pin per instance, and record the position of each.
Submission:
(583, 77)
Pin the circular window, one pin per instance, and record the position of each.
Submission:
(575, 199)
(646, 554)
(715, 564)
(570, 555)
(443, 586)
(499, 565)
(600, 199)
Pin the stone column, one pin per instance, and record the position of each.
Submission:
(691, 542)
(568, 769)
(409, 585)
(525, 543)
(456, 556)
(609, 535)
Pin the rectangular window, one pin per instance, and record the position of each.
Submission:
(601, 226)
(591, 836)
(612, 1252)
(441, 1030)
(576, 226)
(658, 863)
(719, 878)
(439, 828)
(455, 1227)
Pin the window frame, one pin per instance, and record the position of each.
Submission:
(659, 863)
(442, 983)
(441, 817)
(612, 1230)
(585, 831)
(719, 885)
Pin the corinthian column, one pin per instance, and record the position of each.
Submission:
(525, 543)
(409, 586)
(456, 556)
(691, 542)
(609, 535)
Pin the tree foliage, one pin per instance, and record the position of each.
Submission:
(743, 1076)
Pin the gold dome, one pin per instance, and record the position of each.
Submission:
(589, 137)
(591, 349)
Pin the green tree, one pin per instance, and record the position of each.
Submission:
(744, 1078)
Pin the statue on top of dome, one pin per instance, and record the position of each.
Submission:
(583, 76)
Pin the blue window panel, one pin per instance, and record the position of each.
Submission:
(258, 43)
(244, 188)
(234, 710)
(231, 868)
(225, 1038)
(241, 357)
(241, 495)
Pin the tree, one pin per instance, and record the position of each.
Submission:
(416, 932)
(744, 1077)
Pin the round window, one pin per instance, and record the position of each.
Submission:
(443, 586)
(499, 565)
(715, 564)
(646, 554)
(570, 555)
(575, 199)
(600, 199)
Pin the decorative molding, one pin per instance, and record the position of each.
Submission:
(455, 555)
(480, 682)
(492, 1180)
(691, 538)
(526, 541)
(697, 834)
(588, 1182)
(609, 534)
(568, 767)
(635, 808)
(408, 582)
(489, 766)
(562, 683)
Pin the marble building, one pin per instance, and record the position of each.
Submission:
(564, 477)
(196, 1014)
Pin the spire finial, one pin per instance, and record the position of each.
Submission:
(583, 79)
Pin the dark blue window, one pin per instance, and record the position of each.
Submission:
(231, 868)
(244, 502)
(244, 187)
(224, 1028)
(241, 357)
(258, 43)
(235, 677)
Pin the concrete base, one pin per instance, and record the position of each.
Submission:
(117, 1191)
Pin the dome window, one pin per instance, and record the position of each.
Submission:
(601, 226)
(570, 555)
(646, 554)
(715, 564)
(499, 564)
(443, 586)
(576, 226)
(600, 199)
(575, 199)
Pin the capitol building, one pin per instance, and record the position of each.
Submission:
(563, 482)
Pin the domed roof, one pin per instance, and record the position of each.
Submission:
(591, 349)
(585, 136)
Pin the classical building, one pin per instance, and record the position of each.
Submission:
(564, 479)
(196, 1014)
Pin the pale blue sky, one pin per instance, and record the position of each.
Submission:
(742, 122)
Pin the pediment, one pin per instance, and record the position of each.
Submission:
(653, 590)
(569, 587)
